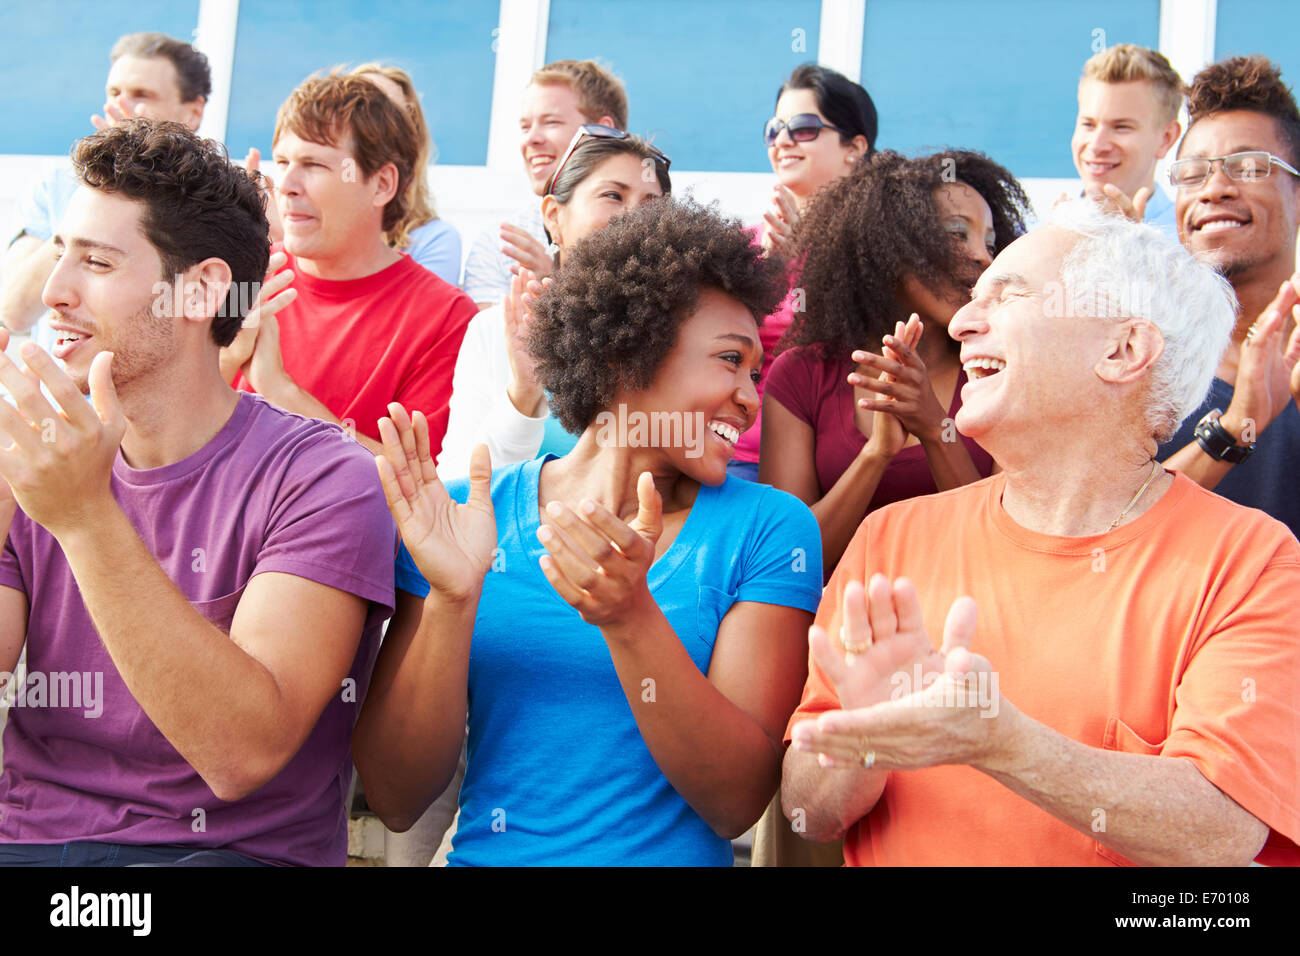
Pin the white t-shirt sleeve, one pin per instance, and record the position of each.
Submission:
(481, 412)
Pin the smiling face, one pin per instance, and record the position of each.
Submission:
(611, 188)
(805, 168)
(1026, 369)
(966, 217)
(549, 118)
(1238, 227)
(151, 84)
(105, 292)
(711, 378)
(326, 205)
(1119, 134)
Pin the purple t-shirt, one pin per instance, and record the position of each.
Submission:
(273, 491)
(817, 392)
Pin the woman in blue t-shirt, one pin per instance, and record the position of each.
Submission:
(625, 625)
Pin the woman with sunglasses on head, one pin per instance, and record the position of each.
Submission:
(860, 403)
(638, 619)
(432, 242)
(823, 124)
(496, 399)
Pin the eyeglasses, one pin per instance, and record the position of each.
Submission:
(1247, 167)
(803, 128)
(599, 131)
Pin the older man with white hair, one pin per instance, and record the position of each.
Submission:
(1119, 678)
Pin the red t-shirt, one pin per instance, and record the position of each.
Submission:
(769, 333)
(817, 392)
(358, 344)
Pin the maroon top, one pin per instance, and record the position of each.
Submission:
(817, 392)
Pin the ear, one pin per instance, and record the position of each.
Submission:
(206, 286)
(607, 121)
(551, 218)
(1168, 138)
(384, 184)
(1132, 349)
(194, 112)
(859, 146)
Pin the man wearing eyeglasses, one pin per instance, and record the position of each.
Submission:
(1237, 209)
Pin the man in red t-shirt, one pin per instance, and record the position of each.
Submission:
(364, 325)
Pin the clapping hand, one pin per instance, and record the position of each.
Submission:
(451, 543)
(527, 252)
(781, 219)
(597, 562)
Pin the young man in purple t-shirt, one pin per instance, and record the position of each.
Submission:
(198, 576)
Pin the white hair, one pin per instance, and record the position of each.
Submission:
(1125, 269)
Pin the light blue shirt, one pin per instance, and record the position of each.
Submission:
(436, 246)
(40, 212)
(557, 771)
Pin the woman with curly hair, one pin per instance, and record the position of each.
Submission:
(823, 124)
(638, 619)
(849, 430)
(496, 399)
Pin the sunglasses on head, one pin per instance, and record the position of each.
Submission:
(803, 128)
(599, 131)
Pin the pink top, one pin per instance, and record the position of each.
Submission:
(769, 333)
(817, 392)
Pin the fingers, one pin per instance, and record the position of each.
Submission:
(1140, 200)
(880, 608)
(395, 455)
(480, 476)
(878, 362)
(569, 557)
(423, 448)
(25, 388)
(827, 658)
(253, 161)
(855, 629)
(393, 493)
(649, 515)
(625, 538)
(907, 605)
(103, 395)
(959, 628)
(42, 369)
(406, 437)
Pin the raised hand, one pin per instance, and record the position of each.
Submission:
(782, 218)
(253, 166)
(273, 296)
(1115, 200)
(527, 252)
(115, 110)
(901, 383)
(451, 543)
(524, 391)
(599, 563)
(1264, 372)
(59, 465)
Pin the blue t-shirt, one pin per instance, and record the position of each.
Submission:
(557, 772)
(1266, 479)
(436, 246)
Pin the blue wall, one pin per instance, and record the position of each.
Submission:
(701, 77)
(445, 45)
(54, 60)
(1271, 27)
(998, 75)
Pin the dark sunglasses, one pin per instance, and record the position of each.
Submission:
(601, 132)
(803, 128)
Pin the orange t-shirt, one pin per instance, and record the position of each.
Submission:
(1177, 634)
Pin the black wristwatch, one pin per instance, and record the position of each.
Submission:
(1216, 442)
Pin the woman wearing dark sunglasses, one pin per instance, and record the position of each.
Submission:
(824, 123)
(496, 399)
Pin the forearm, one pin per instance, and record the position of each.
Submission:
(1198, 466)
(831, 800)
(841, 510)
(293, 398)
(407, 741)
(217, 705)
(1157, 810)
(950, 463)
(715, 755)
(24, 283)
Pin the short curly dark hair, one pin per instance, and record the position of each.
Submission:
(198, 205)
(865, 233)
(610, 316)
(1251, 83)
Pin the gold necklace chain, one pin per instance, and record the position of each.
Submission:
(1145, 485)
